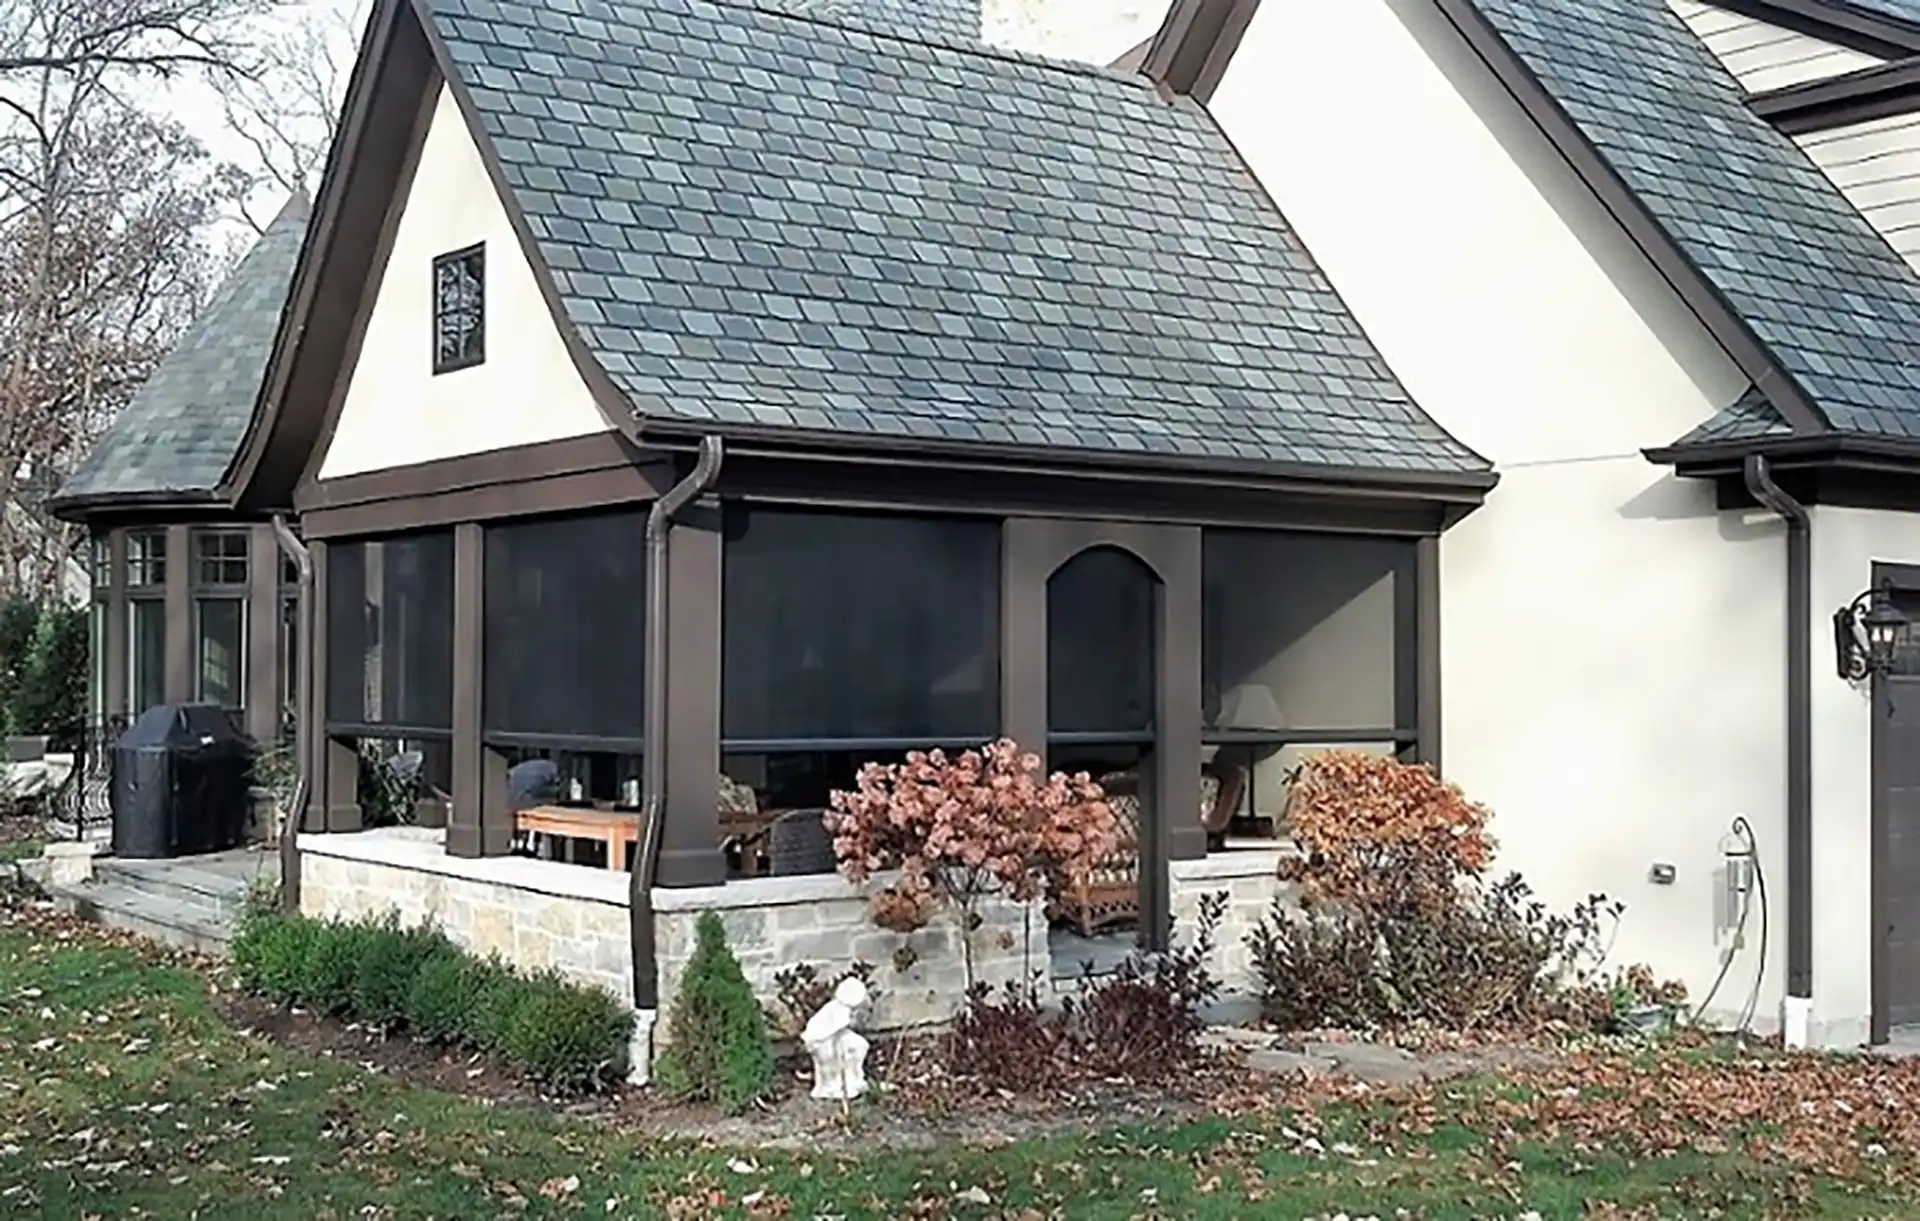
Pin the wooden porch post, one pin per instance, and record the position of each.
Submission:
(263, 693)
(179, 659)
(690, 835)
(114, 648)
(333, 802)
(481, 821)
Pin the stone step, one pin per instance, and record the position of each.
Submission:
(179, 882)
(184, 925)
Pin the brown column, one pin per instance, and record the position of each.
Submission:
(1425, 661)
(263, 694)
(333, 803)
(1025, 557)
(1033, 550)
(690, 833)
(481, 821)
(115, 651)
(179, 604)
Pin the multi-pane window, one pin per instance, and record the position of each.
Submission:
(459, 309)
(102, 566)
(220, 557)
(146, 559)
(220, 617)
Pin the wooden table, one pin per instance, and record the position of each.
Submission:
(617, 829)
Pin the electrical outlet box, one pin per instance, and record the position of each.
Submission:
(1662, 874)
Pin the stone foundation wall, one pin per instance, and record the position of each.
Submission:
(534, 914)
(775, 923)
(1250, 880)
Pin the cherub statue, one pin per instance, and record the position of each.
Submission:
(839, 1051)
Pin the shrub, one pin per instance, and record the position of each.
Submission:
(719, 1051)
(1005, 1038)
(52, 689)
(440, 1003)
(958, 828)
(1146, 1018)
(388, 969)
(571, 1037)
(375, 971)
(19, 624)
(1397, 921)
(270, 953)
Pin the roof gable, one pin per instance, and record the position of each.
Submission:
(178, 434)
(1836, 311)
(757, 223)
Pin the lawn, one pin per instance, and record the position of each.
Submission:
(124, 1094)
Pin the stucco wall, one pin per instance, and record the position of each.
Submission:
(396, 411)
(1612, 667)
(1846, 543)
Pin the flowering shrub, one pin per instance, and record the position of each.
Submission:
(958, 827)
(1398, 920)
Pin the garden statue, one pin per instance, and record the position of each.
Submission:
(839, 1052)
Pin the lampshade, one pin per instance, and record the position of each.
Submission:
(1251, 707)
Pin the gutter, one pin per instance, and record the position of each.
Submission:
(653, 732)
(1799, 1005)
(293, 548)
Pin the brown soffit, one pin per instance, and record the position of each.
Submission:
(1845, 25)
(1625, 207)
(1879, 92)
(1196, 41)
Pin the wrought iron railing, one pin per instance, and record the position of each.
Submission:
(83, 805)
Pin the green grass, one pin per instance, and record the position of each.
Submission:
(20, 849)
(123, 1094)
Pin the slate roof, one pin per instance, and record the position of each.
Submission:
(184, 426)
(949, 20)
(760, 221)
(1809, 276)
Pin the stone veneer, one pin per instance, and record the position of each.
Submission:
(542, 914)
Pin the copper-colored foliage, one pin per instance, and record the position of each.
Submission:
(979, 821)
(1367, 822)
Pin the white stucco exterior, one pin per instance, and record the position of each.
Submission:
(1613, 654)
(1763, 56)
(397, 412)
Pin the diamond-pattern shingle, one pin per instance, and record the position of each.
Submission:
(951, 20)
(757, 220)
(1751, 418)
(1826, 295)
(183, 427)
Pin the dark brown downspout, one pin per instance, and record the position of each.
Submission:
(653, 729)
(290, 818)
(1760, 484)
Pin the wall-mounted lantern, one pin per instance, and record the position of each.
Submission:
(1866, 632)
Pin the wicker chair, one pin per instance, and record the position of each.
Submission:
(1107, 893)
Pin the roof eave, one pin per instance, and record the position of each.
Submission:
(1879, 34)
(1880, 92)
(79, 506)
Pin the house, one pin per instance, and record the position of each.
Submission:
(192, 600)
(762, 391)
(1653, 258)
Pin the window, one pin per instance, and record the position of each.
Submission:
(390, 636)
(102, 562)
(219, 647)
(220, 557)
(460, 309)
(146, 654)
(1304, 647)
(565, 630)
(146, 559)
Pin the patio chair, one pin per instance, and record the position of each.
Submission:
(1107, 893)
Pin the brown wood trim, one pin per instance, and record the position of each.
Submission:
(613, 402)
(514, 464)
(416, 140)
(314, 817)
(1425, 663)
(1195, 44)
(389, 79)
(560, 493)
(264, 696)
(1879, 92)
(115, 646)
(179, 612)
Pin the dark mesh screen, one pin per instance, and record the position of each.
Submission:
(565, 628)
(390, 632)
(1100, 644)
(839, 626)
